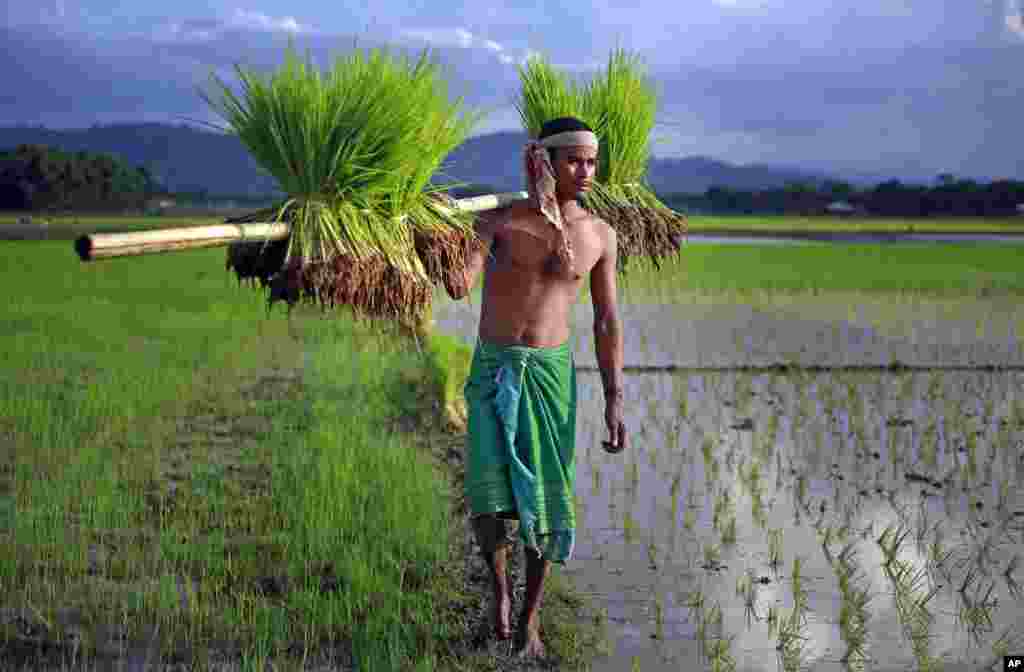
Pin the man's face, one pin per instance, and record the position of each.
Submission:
(575, 168)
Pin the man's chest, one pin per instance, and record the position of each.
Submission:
(529, 248)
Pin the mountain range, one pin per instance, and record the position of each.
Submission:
(185, 158)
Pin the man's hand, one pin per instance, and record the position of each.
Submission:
(616, 427)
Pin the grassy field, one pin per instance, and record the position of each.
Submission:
(891, 269)
(790, 223)
(184, 479)
(73, 225)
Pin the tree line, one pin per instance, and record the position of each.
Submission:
(949, 196)
(38, 177)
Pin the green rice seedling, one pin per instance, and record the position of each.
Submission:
(891, 540)
(706, 448)
(757, 511)
(628, 526)
(826, 540)
(619, 104)
(774, 548)
(723, 508)
(912, 596)
(355, 150)
(1007, 643)
(791, 648)
(719, 656)
(712, 474)
(796, 585)
(695, 602)
(801, 491)
(746, 588)
(690, 518)
(712, 555)
(1011, 582)
(729, 531)
(659, 618)
(853, 615)
(975, 604)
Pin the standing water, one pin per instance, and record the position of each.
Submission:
(790, 519)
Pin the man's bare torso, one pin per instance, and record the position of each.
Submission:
(527, 293)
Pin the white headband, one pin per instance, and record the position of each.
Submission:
(570, 139)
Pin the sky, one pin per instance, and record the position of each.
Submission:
(896, 88)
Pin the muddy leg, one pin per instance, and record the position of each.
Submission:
(491, 536)
(537, 568)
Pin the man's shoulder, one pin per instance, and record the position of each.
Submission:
(602, 229)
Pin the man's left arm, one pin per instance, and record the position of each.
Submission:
(608, 339)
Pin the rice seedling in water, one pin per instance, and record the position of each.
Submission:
(729, 531)
(659, 618)
(975, 608)
(791, 648)
(774, 548)
(690, 518)
(746, 588)
(719, 655)
(853, 613)
(891, 540)
(628, 526)
(796, 585)
(912, 596)
(712, 556)
(1011, 583)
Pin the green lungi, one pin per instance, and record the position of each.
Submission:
(521, 455)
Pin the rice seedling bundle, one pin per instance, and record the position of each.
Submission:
(355, 150)
(619, 104)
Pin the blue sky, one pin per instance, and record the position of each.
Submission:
(884, 87)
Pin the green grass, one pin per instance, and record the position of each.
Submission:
(791, 223)
(900, 269)
(252, 487)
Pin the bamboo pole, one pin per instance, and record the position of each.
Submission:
(108, 245)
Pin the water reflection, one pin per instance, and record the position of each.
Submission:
(836, 519)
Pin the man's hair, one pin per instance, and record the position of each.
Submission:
(561, 125)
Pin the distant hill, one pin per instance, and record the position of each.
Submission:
(184, 158)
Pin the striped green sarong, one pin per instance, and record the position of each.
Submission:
(522, 441)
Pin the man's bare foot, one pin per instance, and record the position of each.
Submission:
(503, 618)
(529, 640)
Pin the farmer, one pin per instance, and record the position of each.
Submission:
(521, 390)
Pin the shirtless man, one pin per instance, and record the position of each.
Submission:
(521, 392)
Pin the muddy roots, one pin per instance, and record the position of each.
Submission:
(372, 287)
(644, 232)
(445, 254)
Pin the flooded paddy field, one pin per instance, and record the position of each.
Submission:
(831, 513)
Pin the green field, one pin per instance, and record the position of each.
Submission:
(251, 487)
(891, 269)
(175, 462)
(792, 223)
(72, 225)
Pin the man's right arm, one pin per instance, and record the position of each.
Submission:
(487, 224)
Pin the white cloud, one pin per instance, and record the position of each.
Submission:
(1015, 17)
(442, 37)
(493, 46)
(506, 59)
(258, 21)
